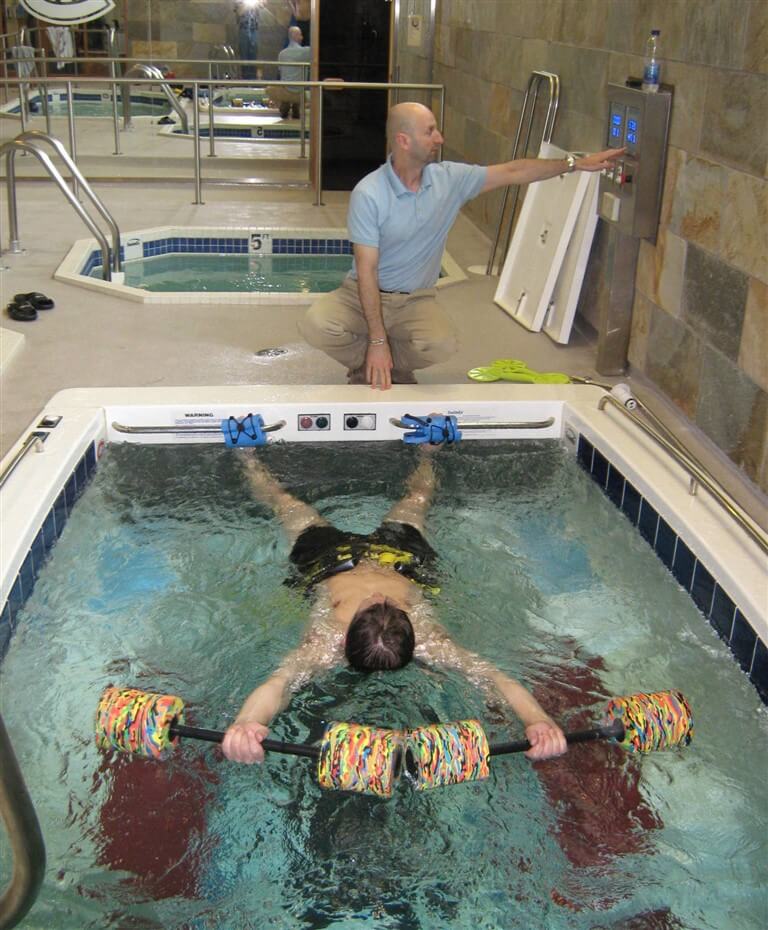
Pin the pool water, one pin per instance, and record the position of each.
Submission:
(274, 274)
(101, 107)
(168, 577)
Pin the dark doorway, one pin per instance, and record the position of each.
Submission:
(354, 45)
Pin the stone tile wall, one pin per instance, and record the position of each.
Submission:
(700, 327)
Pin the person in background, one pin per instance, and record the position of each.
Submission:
(384, 322)
(300, 11)
(288, 98)
(247, 15)
(369, 609)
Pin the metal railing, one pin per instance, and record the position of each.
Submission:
(196, 84)
(622, 399)
(150, 71)
(526, 115)
(23, 828)
(30, 142)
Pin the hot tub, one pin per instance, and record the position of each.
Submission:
(276, 266)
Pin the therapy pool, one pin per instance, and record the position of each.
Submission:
(214, 265)
(565, 557)
(90, 104)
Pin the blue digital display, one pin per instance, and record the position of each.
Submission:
(632, 125)
(632, 137)
(616, 119)
(615, 132)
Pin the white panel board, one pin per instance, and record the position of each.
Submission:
(565, 297)
(539, 244)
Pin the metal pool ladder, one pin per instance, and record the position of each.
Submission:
(18, 814)
(150, 71)
(537, 78)
(30, 141)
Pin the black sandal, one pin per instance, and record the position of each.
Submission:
(37, 300)
(23, 312)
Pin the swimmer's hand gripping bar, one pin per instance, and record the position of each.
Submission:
(613, 730)
(270, 745)
(147, 724)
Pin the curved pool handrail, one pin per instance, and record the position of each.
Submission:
(531, 424)
(23, 828)
(9, 149)
(696, 471)
(184, 428)
(149, 71)
(56, 144)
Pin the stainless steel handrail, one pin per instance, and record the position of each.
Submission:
(150, 71)
(10, 148)
(694, 468)
(305, 85)
(63, 154)
(29, 142)
(23, 828)
(184, 428)
(532, 424)
(536, 78)
(33, 441)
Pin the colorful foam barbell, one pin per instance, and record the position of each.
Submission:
(369, 760)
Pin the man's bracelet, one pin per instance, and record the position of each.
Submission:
(377, 342)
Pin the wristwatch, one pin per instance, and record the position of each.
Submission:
(570, 160)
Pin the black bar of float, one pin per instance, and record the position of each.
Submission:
(270, 745)
(613, 730)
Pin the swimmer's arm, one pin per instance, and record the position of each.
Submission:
(242, 741)
(544, 735)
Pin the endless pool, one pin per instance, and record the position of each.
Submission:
(275, 266)
(168, 576)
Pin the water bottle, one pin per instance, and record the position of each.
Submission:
(651, 66)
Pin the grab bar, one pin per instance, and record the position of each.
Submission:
(23, 828)
(149, 71)
(185, 428)
(64, 155)
(33, 441)
(536, 78)
(26, 144)
(696, 471)
(533, 424)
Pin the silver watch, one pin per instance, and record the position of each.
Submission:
(570, 160)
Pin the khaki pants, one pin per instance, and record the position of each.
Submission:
(419, 332)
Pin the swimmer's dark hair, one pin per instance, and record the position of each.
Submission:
(379, 638)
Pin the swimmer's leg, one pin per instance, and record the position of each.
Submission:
(295, 515)
(413, 506)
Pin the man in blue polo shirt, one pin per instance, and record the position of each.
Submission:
(384, 321)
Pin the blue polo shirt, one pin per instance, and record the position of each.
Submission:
(409, 229)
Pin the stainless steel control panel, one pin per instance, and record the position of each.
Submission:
(630, 193)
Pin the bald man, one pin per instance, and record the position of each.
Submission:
(287, 97)
(384, 322)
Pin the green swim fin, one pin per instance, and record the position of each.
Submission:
(515, 370)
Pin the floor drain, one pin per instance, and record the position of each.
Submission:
(271, 353)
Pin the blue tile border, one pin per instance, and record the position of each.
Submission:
(706, 592)
(49, 532)
(227, 245)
